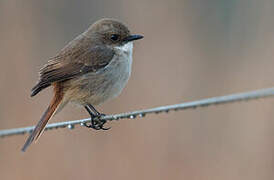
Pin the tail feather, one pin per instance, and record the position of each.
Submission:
(39, 128)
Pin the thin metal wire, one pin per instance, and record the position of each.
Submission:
(263, 93)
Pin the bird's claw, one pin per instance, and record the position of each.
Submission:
(97, 123)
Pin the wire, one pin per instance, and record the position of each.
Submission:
(263, 93)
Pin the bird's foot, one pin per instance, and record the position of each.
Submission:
(97, 123)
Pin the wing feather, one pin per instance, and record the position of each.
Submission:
(77, 58)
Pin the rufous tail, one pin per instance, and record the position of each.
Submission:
(39, 128)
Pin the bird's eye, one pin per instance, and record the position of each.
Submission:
(114, 37)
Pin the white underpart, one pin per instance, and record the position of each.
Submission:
(122, 68)
(126, 51)
(126, 47)
(108, 82)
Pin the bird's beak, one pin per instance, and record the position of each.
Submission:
(133, 37)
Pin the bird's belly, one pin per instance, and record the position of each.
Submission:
(107, 83)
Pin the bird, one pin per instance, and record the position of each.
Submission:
(91, 69)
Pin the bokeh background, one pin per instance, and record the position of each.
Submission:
(191, 50)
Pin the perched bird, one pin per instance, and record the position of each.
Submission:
(92, 68)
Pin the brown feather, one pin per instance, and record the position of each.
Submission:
(72, 62)
(39, 128)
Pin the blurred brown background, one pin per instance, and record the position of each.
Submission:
(191, 50)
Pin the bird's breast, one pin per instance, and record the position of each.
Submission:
(109, 81)
(118, 71)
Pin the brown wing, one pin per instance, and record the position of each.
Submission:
(73, 60)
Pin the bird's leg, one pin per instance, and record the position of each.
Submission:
(96, 122)
(94, 110)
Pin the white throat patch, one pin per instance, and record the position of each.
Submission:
(127, 48)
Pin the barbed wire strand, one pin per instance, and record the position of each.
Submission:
(263, 93)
